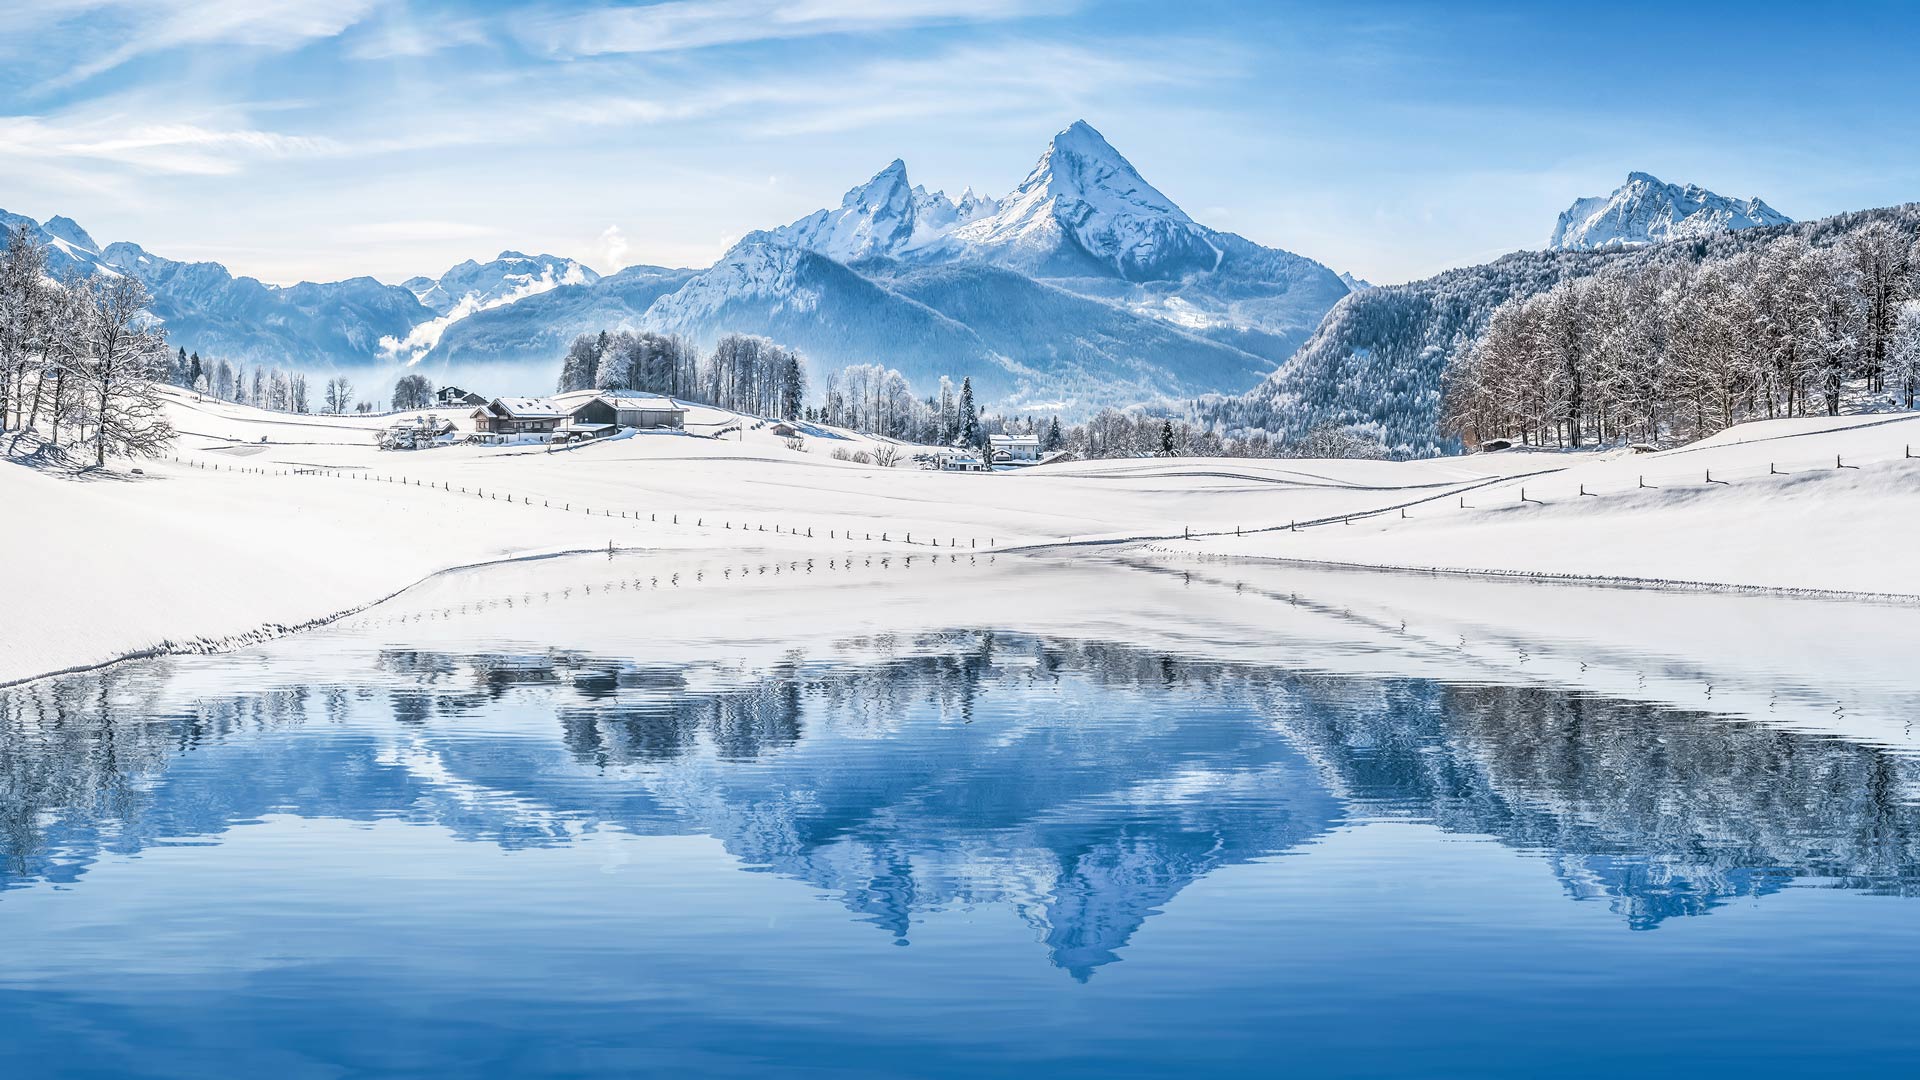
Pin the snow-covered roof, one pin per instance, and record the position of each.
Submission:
(649, 402)
(1013, 440)
(528, 408)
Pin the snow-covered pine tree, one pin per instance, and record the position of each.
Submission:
(969, 419)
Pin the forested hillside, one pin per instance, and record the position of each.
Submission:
(1377, 364)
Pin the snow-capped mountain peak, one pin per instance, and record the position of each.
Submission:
(1085, 203)
(509, 276)
(69, 232)
(1647, 210)
(883, 216)
(1080, 164)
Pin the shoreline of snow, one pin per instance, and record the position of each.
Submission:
(267, 632)
(1599, 581)
(231, 541)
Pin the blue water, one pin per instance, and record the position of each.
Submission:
(963, 854)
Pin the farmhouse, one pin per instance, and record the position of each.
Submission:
(453, 396)
(1014, 449)
(579, 414)
(517, 416)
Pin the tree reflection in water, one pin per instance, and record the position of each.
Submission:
(1084, 784)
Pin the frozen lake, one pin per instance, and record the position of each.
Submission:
(972, 817)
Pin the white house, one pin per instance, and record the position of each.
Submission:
(1014, 449)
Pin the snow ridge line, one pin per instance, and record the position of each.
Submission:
(1027, 549)
(1600, 580)
(272, 631)
(1695, 449)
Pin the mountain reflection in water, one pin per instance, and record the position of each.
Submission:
(1081, 784)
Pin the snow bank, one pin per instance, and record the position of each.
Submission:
(240, 538)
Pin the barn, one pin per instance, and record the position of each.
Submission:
(624, 408)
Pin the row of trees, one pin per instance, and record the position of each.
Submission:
(80, 359)
(1117, 433)
(744, 373)
(757, 376)
(281, 390)
(263, 388)
(1642, 352)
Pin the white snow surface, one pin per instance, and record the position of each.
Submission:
(241, 539)
(1647, 210)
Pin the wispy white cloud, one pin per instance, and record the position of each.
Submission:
(148, 145)
(139, 27)
(612, 249)
(399, 33)
(693, 24)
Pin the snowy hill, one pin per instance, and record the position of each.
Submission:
(506, 278)
(1377, 364)
(831, 313)
(513, 345)
(1646, 210)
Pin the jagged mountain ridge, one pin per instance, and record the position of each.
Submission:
(1104, 292)
(207, 309)
(1647, 210)
(1168, 308)
(509, 276)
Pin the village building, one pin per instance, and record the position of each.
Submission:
(453, 396)
(517, 416)
(642, 412)
(581, 414)
(1013, 449)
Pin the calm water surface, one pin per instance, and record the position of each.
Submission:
(947, 854)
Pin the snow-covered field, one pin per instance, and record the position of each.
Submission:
(241, 538)
(1814, 504)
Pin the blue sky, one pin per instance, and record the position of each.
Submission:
(321, 139)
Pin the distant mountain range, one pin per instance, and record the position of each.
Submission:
(1084, 286)
(1647, 210)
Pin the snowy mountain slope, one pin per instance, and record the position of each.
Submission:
(1646, 210)
(1084, 353)
(1375, 365)
(206, 309)
(1085, 222)
(314, 324)
(472, 287)
(69, 248)
(534, 330)
(1084, 210)
(511, 275)
(832, 314)
(885, 216)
